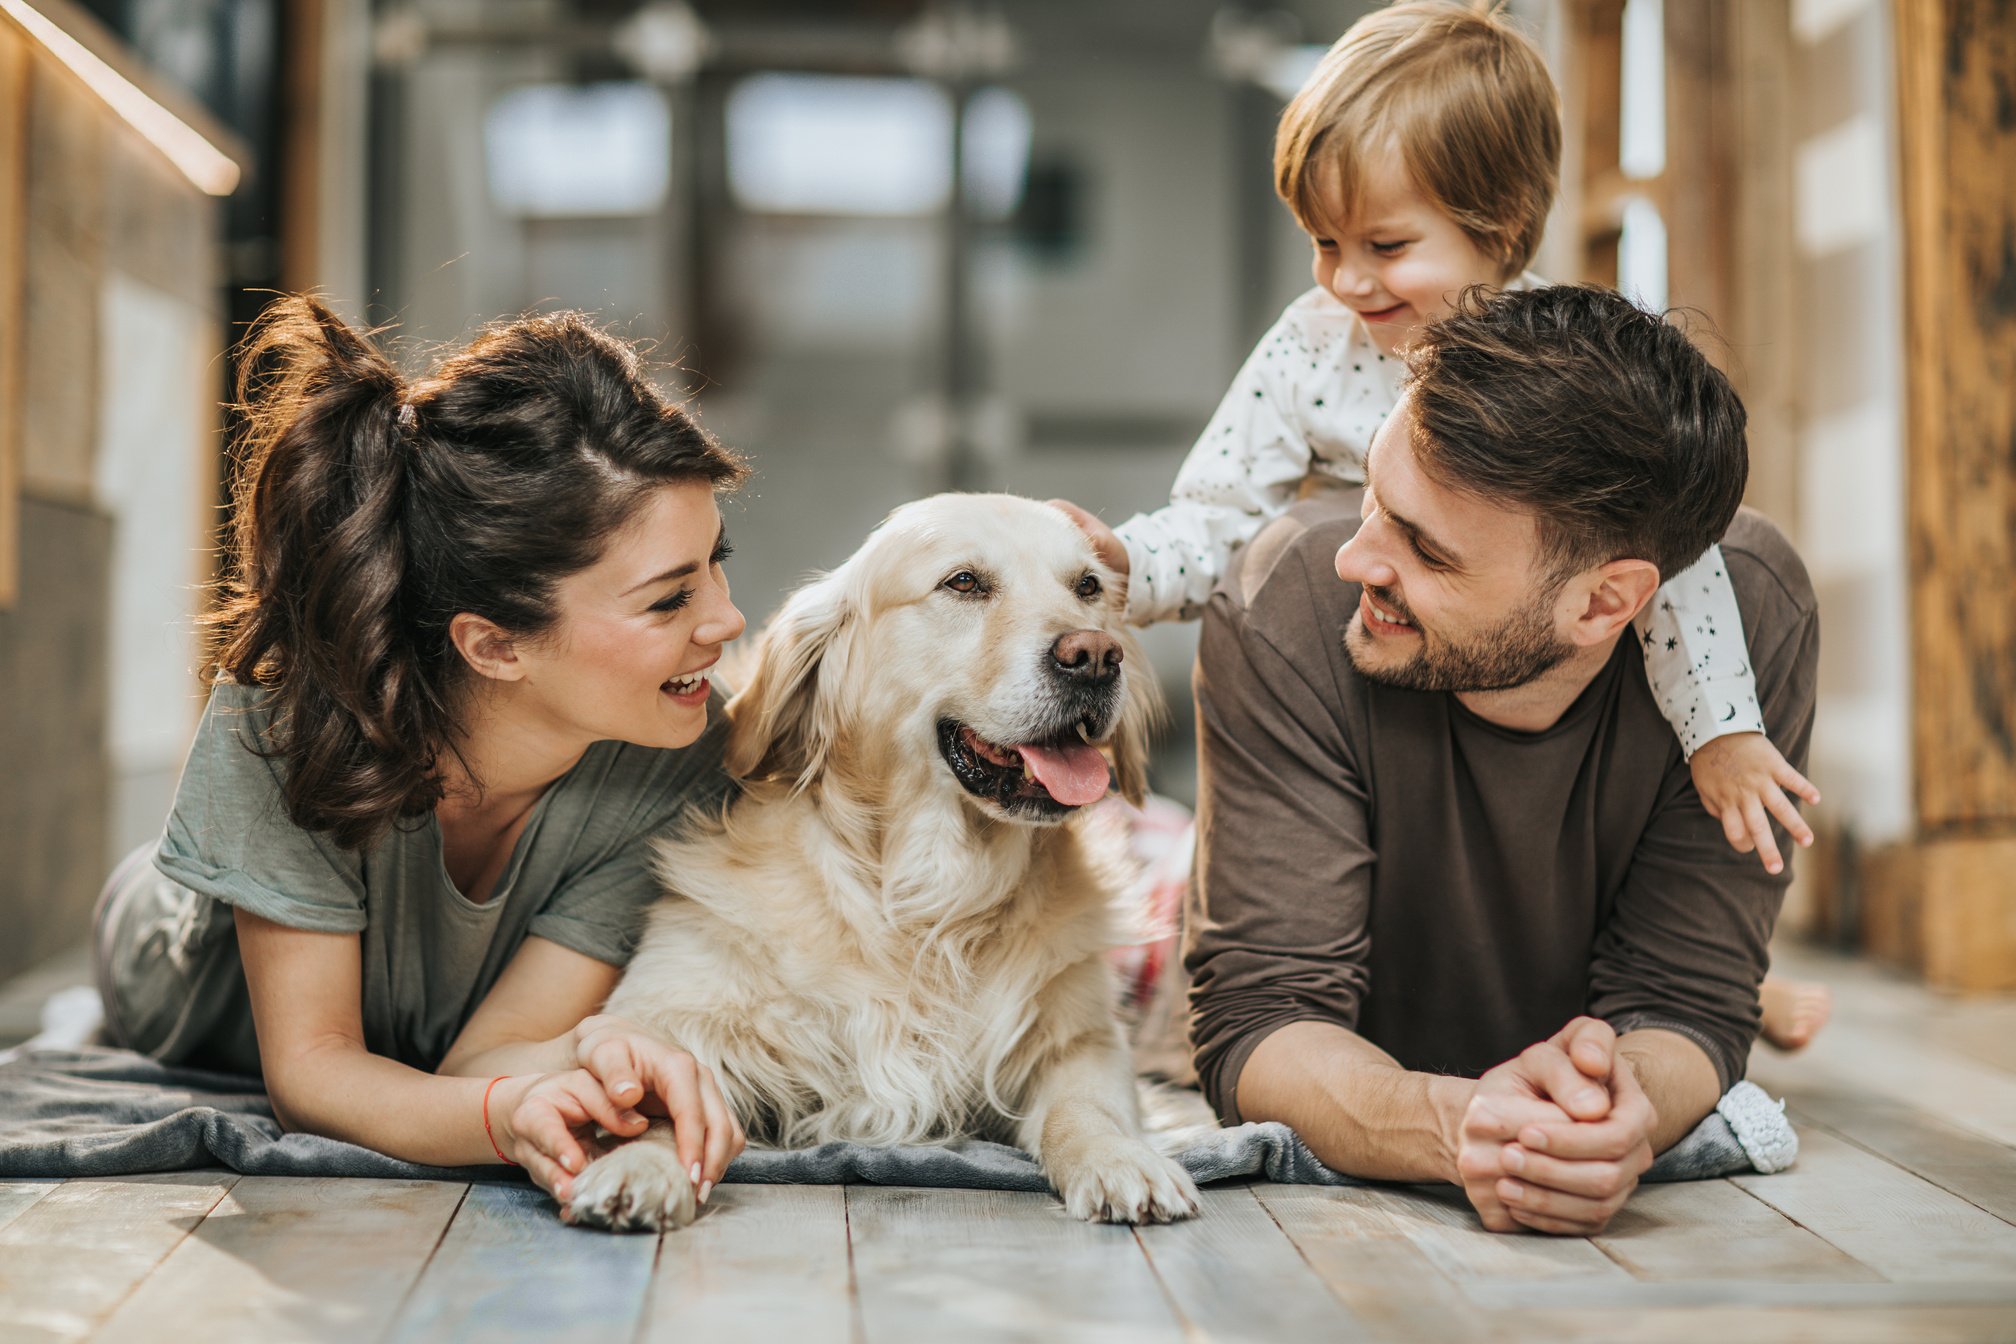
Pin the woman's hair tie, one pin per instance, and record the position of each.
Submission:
(407, 415)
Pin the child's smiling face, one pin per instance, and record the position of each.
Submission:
(1400, 262)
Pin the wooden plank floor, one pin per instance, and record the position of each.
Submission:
(1899, 1223)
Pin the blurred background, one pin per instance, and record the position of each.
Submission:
(891, 247)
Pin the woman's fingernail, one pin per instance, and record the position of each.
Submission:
(1511, 1190)
(1515, 1159)
(1536, 1139)
(1587, 1100)
(695, 1173)
(706, 1189)
(633, 1118)
(573, 1161)
(625, 1089)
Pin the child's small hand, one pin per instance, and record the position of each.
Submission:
(1105, 540)
(1741, 776)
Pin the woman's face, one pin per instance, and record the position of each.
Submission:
(639, 629)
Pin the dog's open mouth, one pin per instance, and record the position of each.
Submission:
(1048, 778)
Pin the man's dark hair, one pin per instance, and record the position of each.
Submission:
(1602, 418)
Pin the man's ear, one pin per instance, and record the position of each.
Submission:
(1610, 597)
(486, 647)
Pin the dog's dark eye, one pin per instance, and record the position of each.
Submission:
(1088, 587)
(965, 581)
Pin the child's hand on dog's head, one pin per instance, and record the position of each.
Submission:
(1112, 551)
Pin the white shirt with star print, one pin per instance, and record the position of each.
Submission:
(1304, 408)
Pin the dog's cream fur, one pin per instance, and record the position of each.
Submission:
(863, 950)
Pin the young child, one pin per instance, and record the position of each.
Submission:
(1421, 158)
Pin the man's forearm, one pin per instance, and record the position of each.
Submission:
(1352, 1103)
(1678, 1079)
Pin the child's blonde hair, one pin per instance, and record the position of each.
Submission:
(1464, 96)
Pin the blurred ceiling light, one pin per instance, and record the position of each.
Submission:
(211, 170)
(820, 144)
(1262, 48)
(579, 151)
(665, 41)
(957, 42)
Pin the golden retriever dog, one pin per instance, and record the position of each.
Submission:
(896, 934)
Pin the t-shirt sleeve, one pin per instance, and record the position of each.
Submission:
(1279, 926)
(229, 835)
(634, 796)
(1687, 943)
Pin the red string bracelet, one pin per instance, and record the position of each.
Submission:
(486, 1122)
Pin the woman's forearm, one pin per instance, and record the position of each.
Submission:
(489, 1059)
(345, 1092)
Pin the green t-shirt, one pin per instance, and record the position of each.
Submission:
(580, 875)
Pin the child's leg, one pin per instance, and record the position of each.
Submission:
(1794, 1011)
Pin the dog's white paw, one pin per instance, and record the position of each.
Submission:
(1121, 1180)
(639, 1187)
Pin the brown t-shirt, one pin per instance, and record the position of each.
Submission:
(1451, 890)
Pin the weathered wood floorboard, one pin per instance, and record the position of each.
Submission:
(1235, 1275)
(291, 1258)
(510, 1269)
(764, 1263)
(1903, 1227)
(1713, 1230)
(1441, 1222)
(983, 1265)
(1978, 1170)
(73, 1257)
(1364, 1254)
(17, 1197)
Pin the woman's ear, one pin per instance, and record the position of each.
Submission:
(486, 647)
(781, 724)
(1142, 715)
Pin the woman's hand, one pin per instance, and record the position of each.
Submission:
(636, 1068)
(545, 1122)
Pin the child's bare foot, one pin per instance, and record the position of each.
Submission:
(1794, 1011)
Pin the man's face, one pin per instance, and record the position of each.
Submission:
(1456, 594)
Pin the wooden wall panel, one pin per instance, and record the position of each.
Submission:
(13, 252)
(1955, 59)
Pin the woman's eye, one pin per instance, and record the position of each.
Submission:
(675, 602)
(1089, 587)
(1388, 249)
(965, 581)
(1324, 244)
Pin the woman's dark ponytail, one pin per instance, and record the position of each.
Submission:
(370, 513)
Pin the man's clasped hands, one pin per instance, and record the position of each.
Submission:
(1556, 1138)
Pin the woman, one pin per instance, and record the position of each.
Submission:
(461, 681)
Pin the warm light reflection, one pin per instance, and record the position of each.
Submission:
(209, 168)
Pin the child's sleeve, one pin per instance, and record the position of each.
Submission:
(1696, 660)
(1243, 471)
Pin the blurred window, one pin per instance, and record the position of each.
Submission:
(577, 151)
(836, 145)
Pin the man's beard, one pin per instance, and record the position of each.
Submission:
(1518, 650)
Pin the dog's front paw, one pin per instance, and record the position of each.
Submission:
(639, 1187)
(1122, 1180)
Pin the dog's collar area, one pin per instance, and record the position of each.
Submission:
(1008, 786)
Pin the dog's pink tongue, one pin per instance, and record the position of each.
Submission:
(1074, 775)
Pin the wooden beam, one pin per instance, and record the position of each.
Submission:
(13, 297)
(1954, 59)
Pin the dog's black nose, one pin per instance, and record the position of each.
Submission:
(1087, 655)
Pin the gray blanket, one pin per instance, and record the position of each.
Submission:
(101, 1112)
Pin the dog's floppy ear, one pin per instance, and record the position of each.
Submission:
(1142, 715)
(781, 724)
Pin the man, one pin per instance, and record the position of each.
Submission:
(1459, 912)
